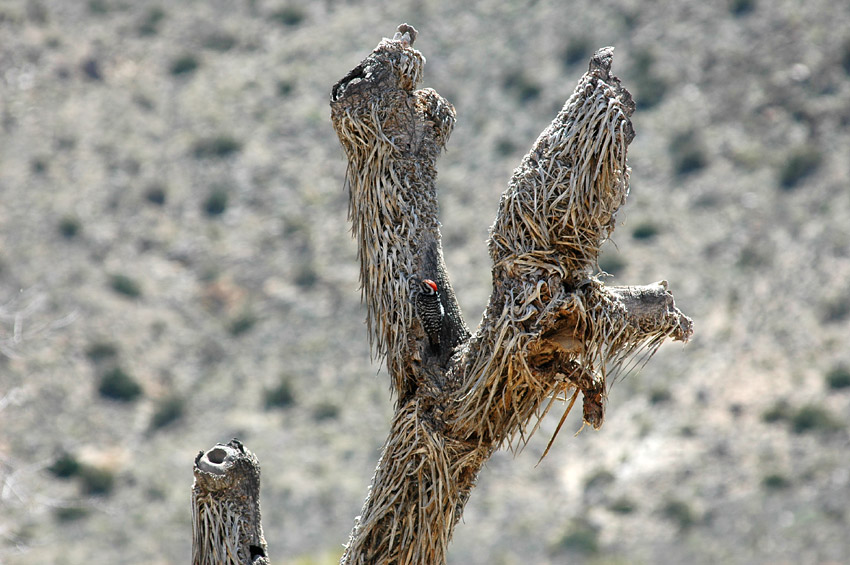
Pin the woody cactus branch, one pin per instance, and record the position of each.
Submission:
(226, 525)
(551, 328)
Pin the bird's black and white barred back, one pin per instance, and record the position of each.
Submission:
(430, 311)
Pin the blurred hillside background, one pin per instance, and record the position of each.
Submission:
(176, 270)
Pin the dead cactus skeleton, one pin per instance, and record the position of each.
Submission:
(551, 328)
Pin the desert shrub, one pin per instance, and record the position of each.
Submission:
(281, 395)
(306, 276)
(845, 56)
(505, 146)
(775, 481)
(580, 536)
(687, 153)
(836, 309)
(184, 64)
(39, 165)
(167, 410)
(98, 7)
(798, 164)
(69, 227)
(649, 88)
(37, 12)
(325, 411)
(285, 87)
(122, 284)
(679, 512)
(645, 230)
(101, 350)
(623, 505)
(155, 194)
(70, 513)
(216, 147)
(838, 377)
(754, 256)
(780, 411)
(65, 466)
(288, 15)
(577, 50)
(149, 25)
(91, 69)
(219, 41)
(216, 201)
(660, 395)
(741, 7)
(612, 263)
(813, 418)
(116, 384)
(242, 323)
(521, 86)
(600, 478)
(96, 481)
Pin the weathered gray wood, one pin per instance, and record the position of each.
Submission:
(226, 524)
(551, 328)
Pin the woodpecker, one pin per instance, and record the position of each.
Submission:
(430, 310)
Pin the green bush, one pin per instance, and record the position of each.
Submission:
(838, 377)
(285, 87)
(167, 411)
(780, 411)
(679, 512)
(687, 152)
(845, 56)
(69, 227)
(660, 396)
(116, 384)
(155, 194)
(242, 323)
(98, 7)
(798, 164)
(306, 275)
(649, 87)
(65, 466)
(184, 64)
(813, 418)
(39, 165)
(216, 147)
(216, 202)
(101, 350)
(623, 505)
(580, 537)
(70, 513)
(151, 21)
(741, 7)
(288, 15)
(96, 481)
(836, 309)
(577, 50)
(522, 87)
(122, 284)
(612, 262)
(325, 411)
(775, 481)
(281, 395)
(645, 230)
(600, 478)
(219, 41)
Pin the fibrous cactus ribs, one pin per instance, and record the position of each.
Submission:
(551, 328)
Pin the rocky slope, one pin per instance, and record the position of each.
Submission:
(176, 270)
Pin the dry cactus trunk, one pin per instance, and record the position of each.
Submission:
(226, 526)
(551, 328)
